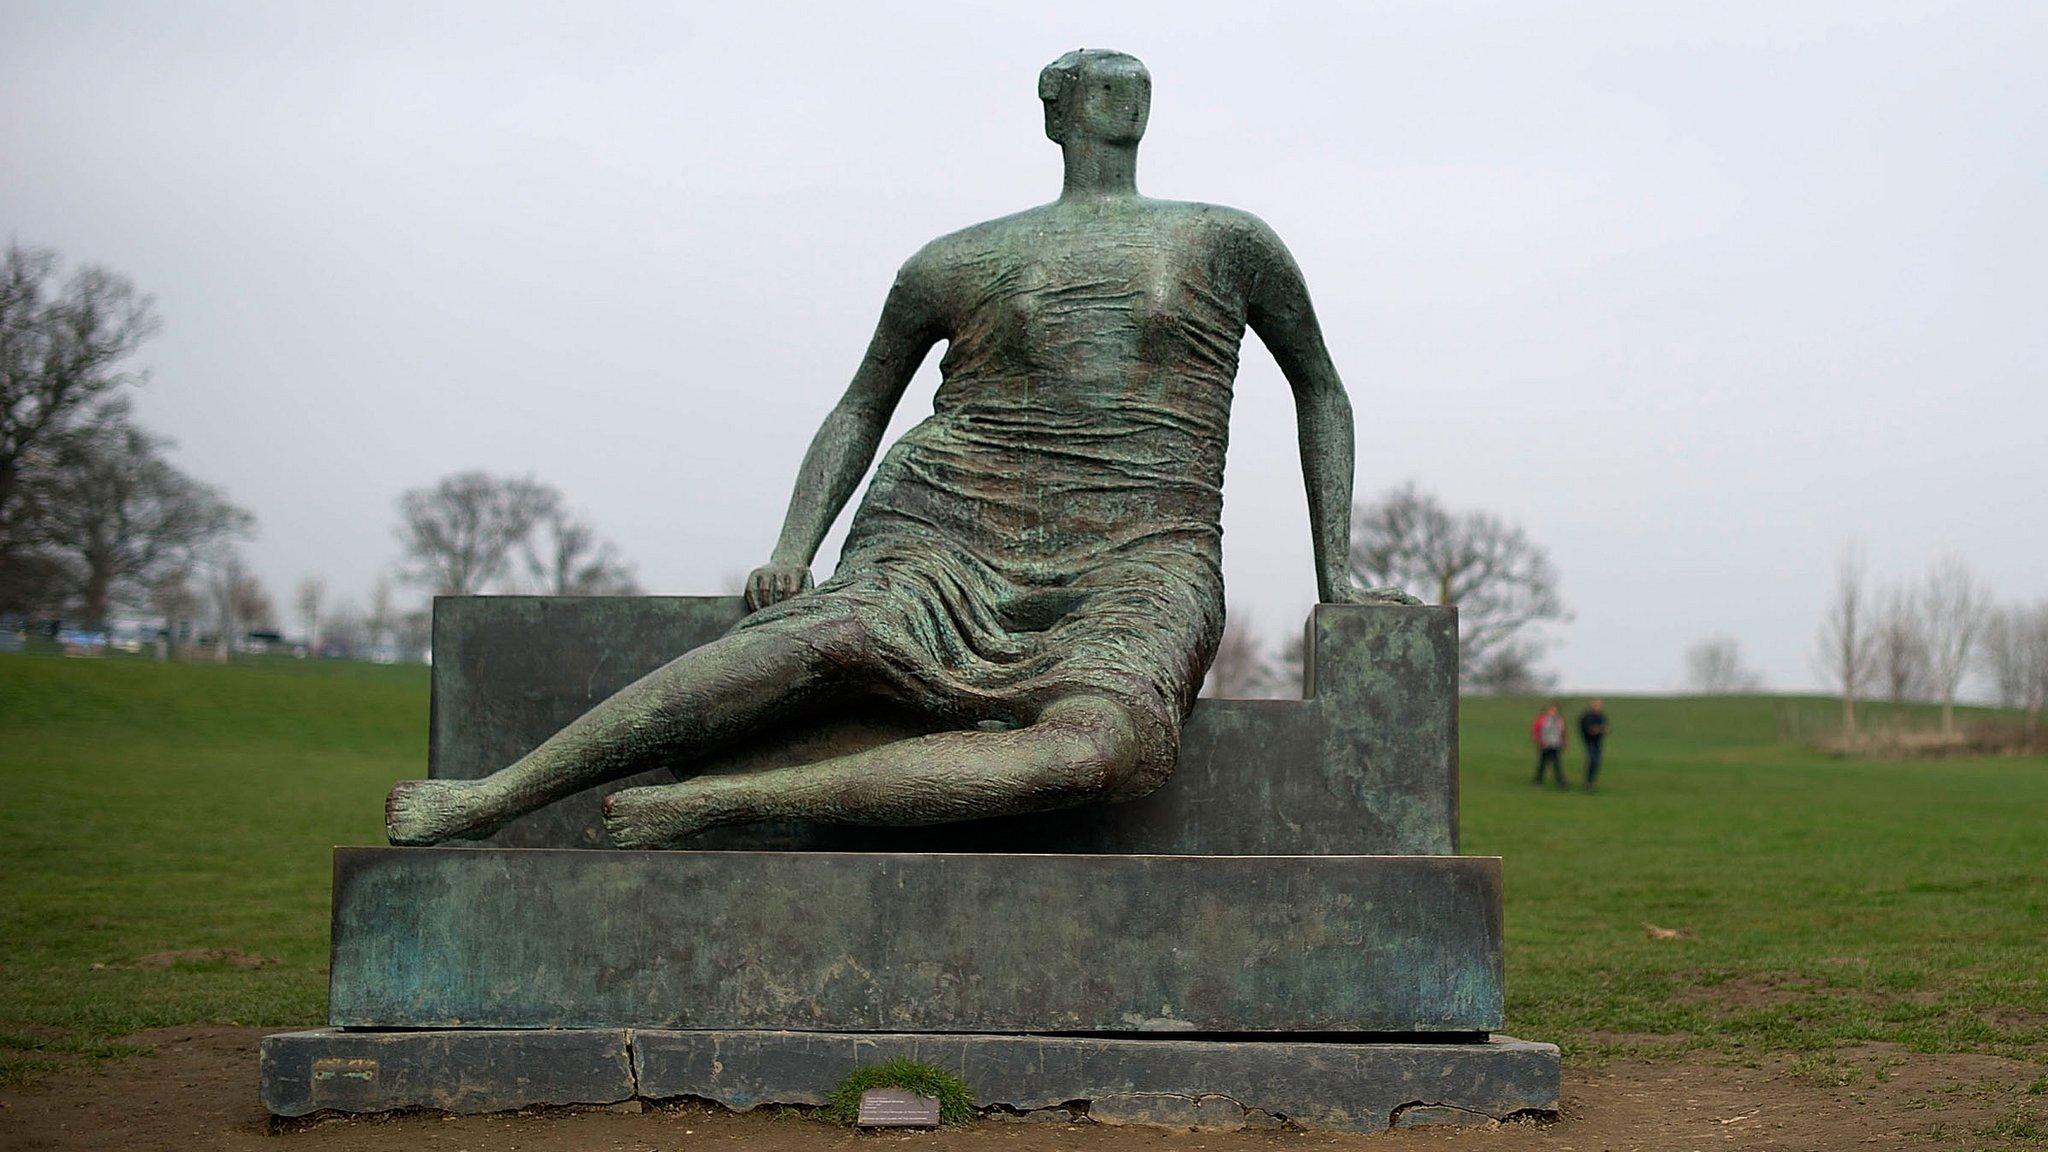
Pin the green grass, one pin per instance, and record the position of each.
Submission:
(956, 1103)
(1831, 901)
(153, 808)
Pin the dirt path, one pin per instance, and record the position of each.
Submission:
(199, 1092)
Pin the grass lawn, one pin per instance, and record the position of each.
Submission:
(156, 809)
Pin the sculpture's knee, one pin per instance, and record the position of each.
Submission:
(1095, 743)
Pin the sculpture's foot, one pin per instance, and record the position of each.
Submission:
(661, 816)
(419, 813)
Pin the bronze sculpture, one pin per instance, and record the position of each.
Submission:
(1037, 566)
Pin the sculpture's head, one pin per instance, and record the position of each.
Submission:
(1096, 93)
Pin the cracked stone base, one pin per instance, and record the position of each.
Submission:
(1201, 1083)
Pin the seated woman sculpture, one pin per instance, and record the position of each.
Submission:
(1036, 567)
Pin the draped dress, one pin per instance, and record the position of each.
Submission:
(1054, 528)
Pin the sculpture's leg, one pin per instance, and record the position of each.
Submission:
(682, 711)
(1075, 751)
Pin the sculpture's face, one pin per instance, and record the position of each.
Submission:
(1103, 95)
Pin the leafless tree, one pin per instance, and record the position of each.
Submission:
(2016, 655)
(1241, 669)
(1501, 582)
(171, 597)
(565, 557)
(459, 536)
(413, 634)
(1509, 670)
(1846, 648)
(1901, 641)
(253, 609)
(380, 623)
(1953, 602)
(119, 516)
(224, 594)
(1290, 666)
(312, 594)
(1714, 667)
(344, 631)
(62, 350)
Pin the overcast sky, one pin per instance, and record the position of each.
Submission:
(1696, 293)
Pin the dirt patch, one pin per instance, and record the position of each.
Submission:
(2016, 1020)
(179, 958)
(45, 1033)
(1766, 990)
(1637, 1041)
(199, 1091)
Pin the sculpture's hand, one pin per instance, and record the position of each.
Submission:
(772, 583)
(1347, 591)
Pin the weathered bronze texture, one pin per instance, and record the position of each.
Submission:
(914, 941)
(1366, 764)
(1035, 571)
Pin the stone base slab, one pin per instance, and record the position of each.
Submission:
(913, 942)
(1206, 1083)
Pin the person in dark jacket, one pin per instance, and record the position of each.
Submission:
(1593, 731)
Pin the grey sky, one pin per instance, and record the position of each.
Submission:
(1697, 293)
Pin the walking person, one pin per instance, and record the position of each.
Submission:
(1548, 733)
(1593, 732)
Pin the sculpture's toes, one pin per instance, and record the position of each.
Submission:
(418, 813)
(658, 817)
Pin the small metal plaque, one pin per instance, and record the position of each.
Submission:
(343, 1069)
(342, 1081)
(895, 1108)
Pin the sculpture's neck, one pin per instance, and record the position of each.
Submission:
(1096, 169)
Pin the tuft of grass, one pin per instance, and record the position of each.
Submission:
(956, 1103)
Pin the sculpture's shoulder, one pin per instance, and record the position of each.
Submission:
(976, 240)
(1231, 228)
(933, 267)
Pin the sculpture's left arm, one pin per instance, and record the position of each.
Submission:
(1284, 319)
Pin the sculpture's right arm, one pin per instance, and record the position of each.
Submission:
(845, 445)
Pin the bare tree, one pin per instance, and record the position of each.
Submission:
(380, 623)
(1509, 671)
(413, 634)
(344, 631)
(1501, 582)
(1953, 602)
(1714, 667)
(171, 597)
(1290, 666)
(61, 353)
(1846, 647)
(1241, 668)
(119, 516)
(253, 609)
(459, 535)
(1901, 641)
(223, 588)
(311, 597)
(2016, 655)
(566, 558)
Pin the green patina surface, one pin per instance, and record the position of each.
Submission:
(524, 938)
(1367, 764)
(1035, 572)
